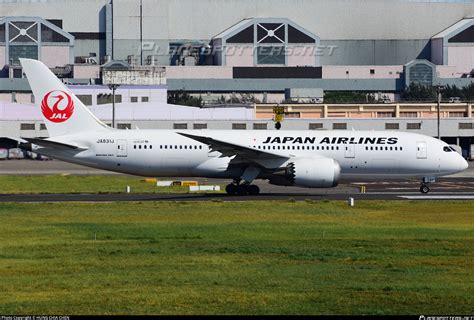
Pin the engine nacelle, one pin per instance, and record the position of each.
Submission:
(309, 173)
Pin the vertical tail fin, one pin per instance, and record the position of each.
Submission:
(63, 113)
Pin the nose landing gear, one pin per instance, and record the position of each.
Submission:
(424, 188)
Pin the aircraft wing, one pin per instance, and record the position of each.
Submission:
(242, 153)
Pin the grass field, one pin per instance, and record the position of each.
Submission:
(80, 184)
(237, 258)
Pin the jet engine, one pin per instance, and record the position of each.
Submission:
(308, 172)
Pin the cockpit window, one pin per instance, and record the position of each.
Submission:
(447, 149)
(453, 149)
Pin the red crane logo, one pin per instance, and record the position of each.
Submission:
(57, 106)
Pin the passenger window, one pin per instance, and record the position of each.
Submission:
(151, 147)
(134, 146)
(140, 146)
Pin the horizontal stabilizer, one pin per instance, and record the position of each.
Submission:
(13, 140)
(53, 144)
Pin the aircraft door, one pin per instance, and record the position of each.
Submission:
(349, 151)
(421, 152)
(121, 148)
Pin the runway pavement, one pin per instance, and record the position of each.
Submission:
(224, 197)
(457, 187)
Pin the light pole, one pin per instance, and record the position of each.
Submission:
(113, 87)
(439, 89)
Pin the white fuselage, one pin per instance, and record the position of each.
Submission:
(360, 154)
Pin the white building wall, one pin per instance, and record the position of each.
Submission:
(86, 71)
(301, 56)
(198, 72)
(5, 97)
(55, 56)
(127, 19)
(329, 19)
(462, 57)
(447, 72)
(361, 72)
(239, 56)
(2, 56)
(155, 94)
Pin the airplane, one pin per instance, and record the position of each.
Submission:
(311, 159)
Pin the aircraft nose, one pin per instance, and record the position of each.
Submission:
(463, 165)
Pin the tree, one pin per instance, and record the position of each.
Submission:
(453, 91)
(183, 98)
(467, 92)
(347, 97)
(418, 92)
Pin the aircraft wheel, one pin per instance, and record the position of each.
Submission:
(231, 189)
(254, 190)
(242, 190)
(424, 189)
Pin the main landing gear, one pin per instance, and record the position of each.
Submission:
(424, 188)
(241, 189)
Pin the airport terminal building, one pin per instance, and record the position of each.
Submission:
(258, 53)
